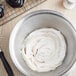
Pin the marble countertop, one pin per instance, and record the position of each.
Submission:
(6, 29)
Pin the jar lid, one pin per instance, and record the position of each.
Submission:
(72, 1)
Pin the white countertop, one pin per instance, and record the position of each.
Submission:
(6, 29)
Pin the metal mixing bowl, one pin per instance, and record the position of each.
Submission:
(42, 19)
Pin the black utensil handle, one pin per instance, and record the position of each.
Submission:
(6, 65)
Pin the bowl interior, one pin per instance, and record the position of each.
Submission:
(36, 21)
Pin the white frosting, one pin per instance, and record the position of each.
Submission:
(44, 49)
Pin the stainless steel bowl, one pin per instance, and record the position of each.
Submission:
(42, 19)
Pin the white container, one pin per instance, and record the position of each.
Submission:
(69, 4)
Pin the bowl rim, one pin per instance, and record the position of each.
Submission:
(14, 32)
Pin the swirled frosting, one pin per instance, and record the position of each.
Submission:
(44, 49)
